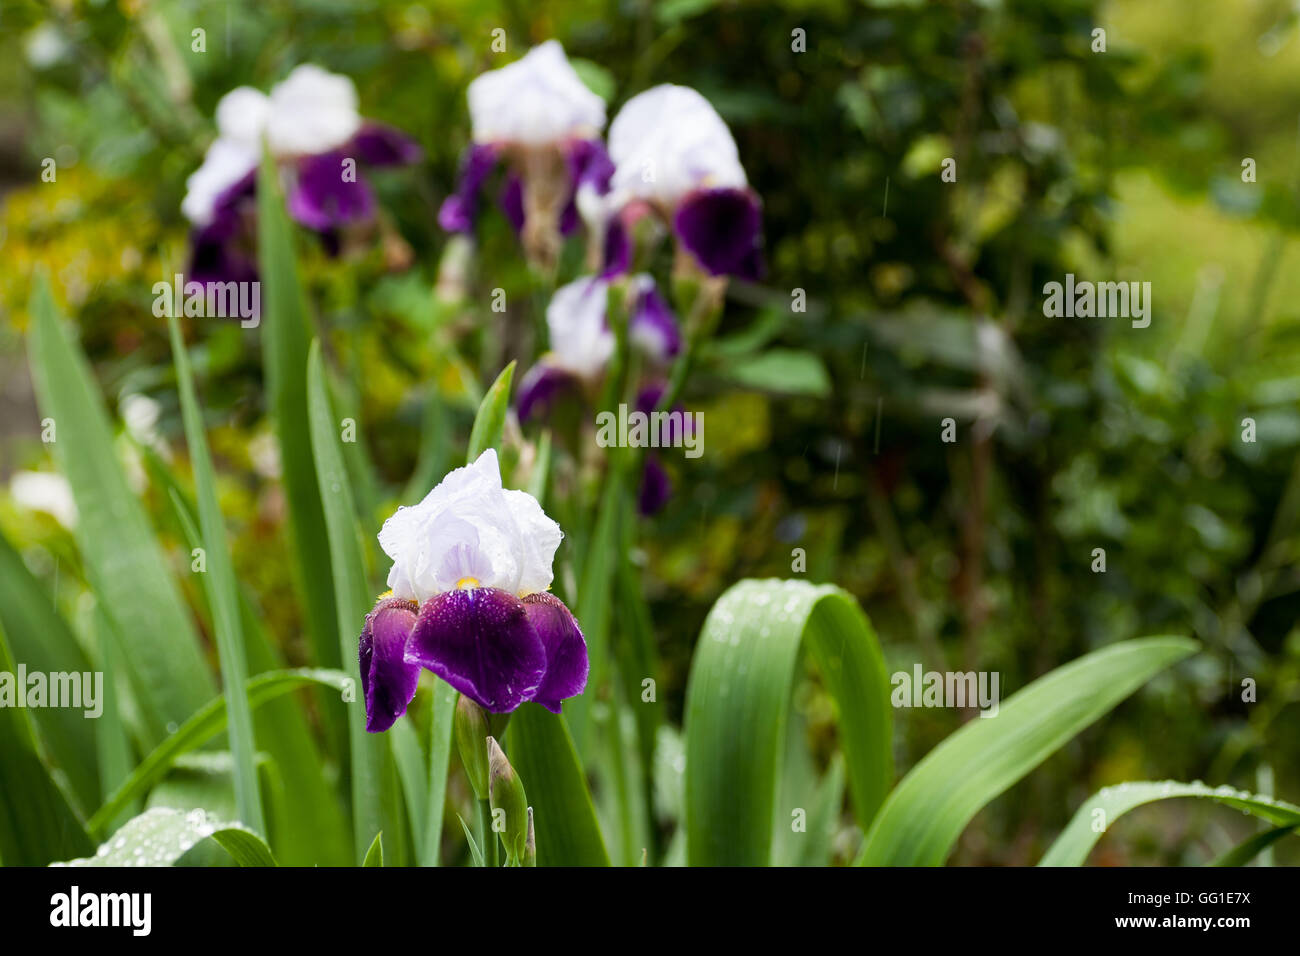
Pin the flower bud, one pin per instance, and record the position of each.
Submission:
(506, 793)
(471, 729)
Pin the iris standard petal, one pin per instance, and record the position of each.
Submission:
(324, 199)
(566, 649)
(722, 228)
(387, 680)
(460, 208)
(480, 641)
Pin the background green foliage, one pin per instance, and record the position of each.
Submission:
(822, 428)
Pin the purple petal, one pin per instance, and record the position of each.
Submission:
(589, 165)
(480, 642)
(541, 388)
(722, 229)
(322, 199)
(380, 145)
(656, 487)
(566, 649)
(654, 324)
(459, 209)
(387, 681)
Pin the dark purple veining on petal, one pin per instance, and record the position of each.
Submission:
(566, 649)
(460, 208)
(387, 680)
(722, 228)
(541, 388)
(379, 145)
(480, 641)
(330, 193)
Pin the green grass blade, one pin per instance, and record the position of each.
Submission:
(929, 808)
(543, 753)
(491, 417)
(111, 739)
(444, 710)
(205, 724)
(223, 593)
(123, 561)
(375, 855)
(1247, 850)
(475, 854)
(737, 705)
(39, 638)
(352, 601)
(162, 835)
(285, 330)
(37, 824)
(1106, 806)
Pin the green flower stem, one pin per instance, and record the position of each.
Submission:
(487, 836)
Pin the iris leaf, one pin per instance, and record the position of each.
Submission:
(1072, 847)
(929, 808)
(491, 417)
(123, 561)
(738, 701)
(162, 835)
(223, 595)
(375, 855)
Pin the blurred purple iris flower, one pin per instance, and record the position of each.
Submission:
(537, 119)
(311, 126)
(471, 565)
(675, 158)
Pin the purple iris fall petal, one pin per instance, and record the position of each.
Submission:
(324, 199)
(479, 640)
(220, 251)
(656, 488)
(541, 388)
(722, 229)
(379, 145)
(387, 680)
(617, 253)
(654, 323)
(566, 649)
(459, 209)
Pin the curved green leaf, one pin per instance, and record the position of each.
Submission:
(375, 855)
(737, 704)
(1109, 804)
(162, 835)
(929, 808)
(543, 754)
(205, 724)
(1244, 852)
(123, 561)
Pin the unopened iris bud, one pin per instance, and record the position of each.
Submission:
(506, 793)
(471, 731)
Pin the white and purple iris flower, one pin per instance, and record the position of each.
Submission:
(539, 120)
(311, 126)
(675, 158)
(469, 602)
(582, 342)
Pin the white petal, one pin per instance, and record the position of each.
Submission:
(242, 115)
(51, 493)
(537, 99)
(312, 111)
(226, 163)
(668, 141)
(580, 341)
(470, 527)
(541, 536)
